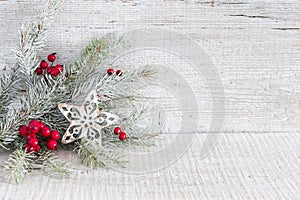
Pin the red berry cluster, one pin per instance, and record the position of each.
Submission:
(110, 71)
(54, 71)
(33, 139)
(118, 131)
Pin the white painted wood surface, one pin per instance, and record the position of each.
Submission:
(255, 46)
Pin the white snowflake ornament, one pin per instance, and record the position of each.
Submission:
(86, 120)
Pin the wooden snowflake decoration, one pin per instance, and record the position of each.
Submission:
(86, 120)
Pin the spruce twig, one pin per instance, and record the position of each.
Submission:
(94, 54)
(137, 136)
(56, 168)
(32, 39)
(134, 116)
(19, 164)
(52, 166)
(8, 91)
(94, 156)
(116, 87)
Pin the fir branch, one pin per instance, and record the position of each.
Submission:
(121, 87)
(32, 39)
(42, 157)
(136, 135)
(53, 167)
(134, 139)
(135, 115)
(8, 91)
(56, 168)
(94, 54)
(94, 156)
(41, 98)
(56, 120)
(7, 129)
(18, 164)
(140, 140)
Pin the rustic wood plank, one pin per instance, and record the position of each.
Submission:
(247, 166)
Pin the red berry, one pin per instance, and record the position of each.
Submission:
(34, 126)
(52, 57)
(117, 130)
(55, 135)
(42, 125)
(23, 130)
(30, 136)
(119, 72)
(122, 136)
(39, 71)
(34, 122)
(37, 148)
(60, 68)
(43, 65)
(45, 131)
(51, 144)
(33, 142)
(34, 129)
(55, 72)
(110, 71)
(49, 70)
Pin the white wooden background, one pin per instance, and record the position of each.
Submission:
(255, 46)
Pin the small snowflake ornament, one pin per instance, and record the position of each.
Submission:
(86, 120)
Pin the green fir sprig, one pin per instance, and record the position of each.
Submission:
(94, 156)
(8, 91)
(126, 86)
(19, 164)
(137, 135)
(53, 166)
(33, 37)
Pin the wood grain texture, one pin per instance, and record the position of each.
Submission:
(255, 45)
